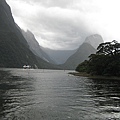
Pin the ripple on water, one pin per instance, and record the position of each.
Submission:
(53, 95)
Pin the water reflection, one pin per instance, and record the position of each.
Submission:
(55, 95)
(12, 95)
(106, 94)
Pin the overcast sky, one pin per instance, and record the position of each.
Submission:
(64, 24)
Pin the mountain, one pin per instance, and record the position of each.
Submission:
(35, 47)
(14, 49)
(83, 52)
(59, 56)
(94, 40)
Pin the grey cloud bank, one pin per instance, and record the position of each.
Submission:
(64, 24)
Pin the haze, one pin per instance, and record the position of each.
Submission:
(64, 24)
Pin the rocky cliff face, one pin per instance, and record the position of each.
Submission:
(35, 47)
(14, 49)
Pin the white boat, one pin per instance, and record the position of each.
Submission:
(26, 66)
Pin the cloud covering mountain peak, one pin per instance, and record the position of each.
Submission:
(66, 23)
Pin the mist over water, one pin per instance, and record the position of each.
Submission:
(55, 95)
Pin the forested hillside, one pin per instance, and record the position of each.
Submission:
(105, 62)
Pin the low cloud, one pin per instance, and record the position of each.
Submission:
(64, 24)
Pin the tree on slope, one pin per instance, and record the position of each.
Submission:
(106, 61)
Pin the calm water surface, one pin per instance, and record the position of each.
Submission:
(55, 95)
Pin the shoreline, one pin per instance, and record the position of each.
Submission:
(94, 76)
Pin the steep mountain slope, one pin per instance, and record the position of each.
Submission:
(82, 54)
(59, 56)
(94, 40)
(87, 48)
(14, 49)
(35, 47)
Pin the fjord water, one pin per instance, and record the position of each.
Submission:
(56, 95)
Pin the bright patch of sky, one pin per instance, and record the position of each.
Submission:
(64, 24)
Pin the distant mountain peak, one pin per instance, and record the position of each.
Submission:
(35, 47)
(14, 49)
(88, 47)
(94, 40)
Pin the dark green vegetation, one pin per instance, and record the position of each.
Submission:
(105, 62)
